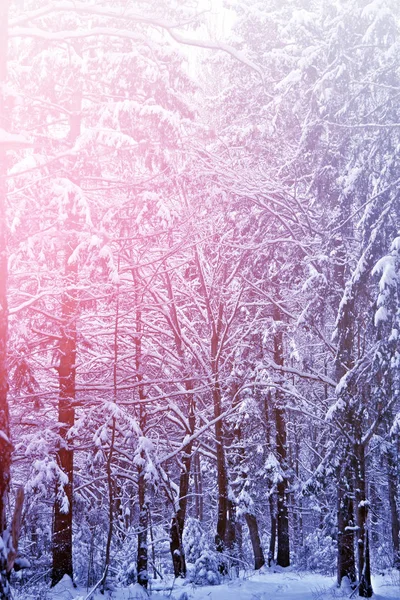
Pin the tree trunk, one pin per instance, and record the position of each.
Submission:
(283, 554)
(198, 487)
(225, 537)
(272, 541)
(178, 521)
(268, 415)
(235, 439)
(362, 505)
(110, 486)
(346, 565)
(110, 478)
(142, 549)
(345, 540)
(393, 503)
(62, 526)
(259, 560)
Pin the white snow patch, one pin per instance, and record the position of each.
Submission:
(266, 584)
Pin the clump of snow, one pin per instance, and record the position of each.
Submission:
(337, 407)
(387, 268)
(12, 141)
(64, 590)
(273, 469)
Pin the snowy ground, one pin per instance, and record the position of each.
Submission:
(287, 585)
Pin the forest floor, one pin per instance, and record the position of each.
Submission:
(286, 585)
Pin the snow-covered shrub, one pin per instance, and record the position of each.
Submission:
(203, 563)
(206, 569)
(318, 553)
(195, 540)
(383, 556)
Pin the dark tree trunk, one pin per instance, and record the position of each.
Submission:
(259, 560)
(346, 564)
(198, 487)
(235, 438)
(283, 554)
(110, 486)
(225, 536)
(114, 504)
(393, 481)
(345, 540)
(178, 521)
(226, 526)
(142, 549)
(269, 418)
(362, 505)
(62, 525)
(272, 540)
(5, 444)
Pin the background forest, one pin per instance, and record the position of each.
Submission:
(199, 290)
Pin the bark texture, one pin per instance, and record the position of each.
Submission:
(283, 552)
(63, 506)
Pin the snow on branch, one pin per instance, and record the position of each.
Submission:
(16, 30)
(13, 141)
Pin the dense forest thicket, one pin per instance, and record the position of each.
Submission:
(199, 289)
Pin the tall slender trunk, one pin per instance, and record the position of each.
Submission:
(62, 524)
(393, 482)
(198, 487)
(235, 438)
(272, 539)
(62, 529)
(178, 520)
(268, 417)
(110, 479)
(283, 554)
(362, 505)
(110, 486)
(142, 548)
(225, 536)
(345, 540)
(346, 564)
